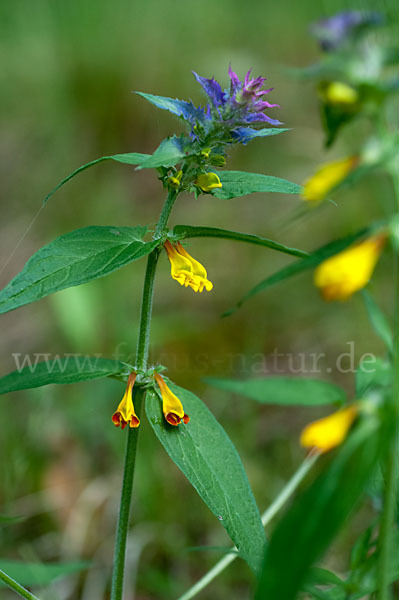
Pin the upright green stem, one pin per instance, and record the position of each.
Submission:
(386, 551)
(143, 343)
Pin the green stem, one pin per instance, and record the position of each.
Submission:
(267, 516)
(16, 587)
(143, 343)
(387, 526)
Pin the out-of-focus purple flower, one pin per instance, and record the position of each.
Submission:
(241, 103)
(336, 30)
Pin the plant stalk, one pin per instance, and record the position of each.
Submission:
(388, 518)
(16, 587)
(143, 343)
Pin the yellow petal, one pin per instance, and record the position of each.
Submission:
(171, 406)
(325, 434)
(345, 273)
(125, 413)
(208, 182)
(337, 92)
(327, 177)
(186, 270)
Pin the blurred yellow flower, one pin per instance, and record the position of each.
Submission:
(327, 177)
(341, 275)
(186, 270)
(171, 406)
(208, 182)
(337, 92)
(125, 414)
(175, 180)
(325, 434)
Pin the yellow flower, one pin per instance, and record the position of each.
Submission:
(125, 414)
(208, 182)
(341, 275)
(337, 92)
(327, 177)
(175, 180)
(186, 270)
(325, 434)
(171, 406)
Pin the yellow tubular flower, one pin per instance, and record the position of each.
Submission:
(186, 270)
(208, 182)
(341, 275)
(125, 414)
(171, 406)
(327, 177)
(175, 180)
(325, 434)
(337, 92)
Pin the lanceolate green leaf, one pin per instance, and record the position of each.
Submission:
(207, 457)
(240, 183)
(73, 259)
(132, 158)
(309, 262)
(67, 369)
(318, 514)
(283, 390)
(191, 232)
(32, 574)
(169, 152)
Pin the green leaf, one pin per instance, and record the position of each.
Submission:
(240, 183)
(288, 391)
(69, 369)
(169, 153)
(180, 108)
(317, 515)
(205, 454)
(378, 320)
(73, 259)
(309, 262)
(132, 158)
(7, 520)
(32, 574)
(213, 232)
(371, 374)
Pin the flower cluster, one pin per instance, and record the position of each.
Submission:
(172, 408)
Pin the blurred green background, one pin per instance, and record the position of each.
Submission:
(67, 72)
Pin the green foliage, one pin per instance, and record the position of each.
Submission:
(318, 514)
(169, 153)
(378, 321)
(33, 574)
(71, 369)
(240, 183)
(73, 259)
(207, 457)
(289, 391)
(377, 375)
(189, 231)
(132, 158)
(309, 262)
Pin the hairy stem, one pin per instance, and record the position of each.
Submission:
(388, 517)
(267, 516)
(143, 343)
(16, 587)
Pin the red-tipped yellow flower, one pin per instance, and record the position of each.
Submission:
(171, 406)
(125, 414)
(327, 177)
(325, 434)
(345, 273)
(186, 270)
